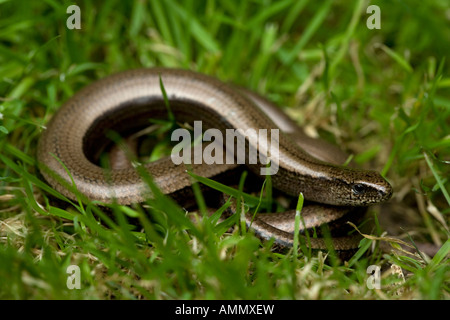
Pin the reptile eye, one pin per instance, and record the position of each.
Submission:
(358, 189)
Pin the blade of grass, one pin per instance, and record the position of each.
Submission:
(249, 199)
(437, 177)
(442, 254)
(239, 203)
(199, 32)
(297, 221)
(397, 58)
(349, 34)
(307, 34)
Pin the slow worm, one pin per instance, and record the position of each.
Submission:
(125, 101)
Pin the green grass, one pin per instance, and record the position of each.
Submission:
(383, 95)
